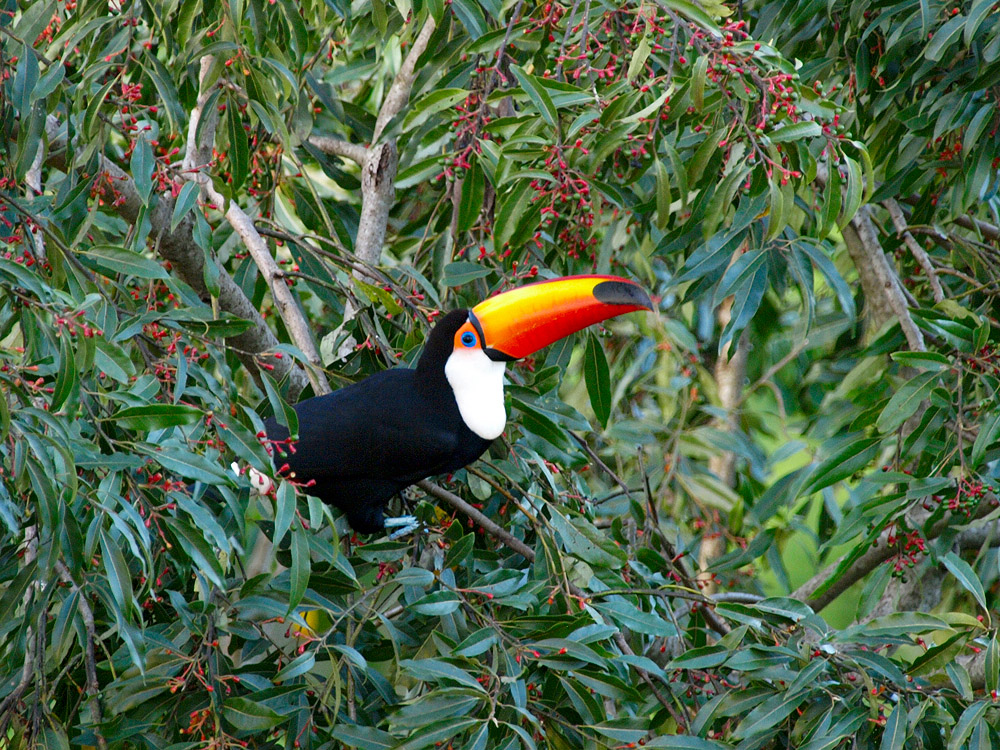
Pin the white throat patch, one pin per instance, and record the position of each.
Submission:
(477, 382)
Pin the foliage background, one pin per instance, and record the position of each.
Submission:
(762, 517)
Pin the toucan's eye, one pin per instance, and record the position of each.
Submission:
(468, 339)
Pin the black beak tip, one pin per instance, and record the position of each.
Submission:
(622, 293)
(496, 355)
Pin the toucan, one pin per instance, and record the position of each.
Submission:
(362, 444)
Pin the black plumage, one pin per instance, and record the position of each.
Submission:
(364, 443)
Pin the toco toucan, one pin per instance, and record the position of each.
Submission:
(364, 443)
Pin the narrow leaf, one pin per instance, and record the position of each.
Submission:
(538, 95)
(598, 377)
(966, 576)
(905, 402)
(301, 566)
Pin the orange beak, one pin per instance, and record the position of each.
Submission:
(521, 321)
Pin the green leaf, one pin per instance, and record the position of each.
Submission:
(66, 380)
(157, 416)
(25, 79)
(746, 279)
(284, 511)
(436, 670)
(186, 200)
(142, 165)
(663, 197)
(512, 207)
(679, 742)
(300, 665)
(583, 540)
(598, 377)
(772, 711)
(91, 117)
(430, 104)
(795, 132)
(698, 75)
(119, 577)
(538, 95)
(366, 738)
(851, 457)
(923, 360)
(462, 272)
(378, 295)
(434, 735)
(943, 38)
(963, 727)
(854, 193)
(981, 738)
(473, 190)
(628, 615)
(111, 360)
(639, 56)
(898, 624)
(833, 277)
(967, 577)
(905, 402)
(977, 14)
(243, 443)
(301, 566)
(979, 123)
(249, 716)
(470, 13)
(239, 147)
(14, 595)
(115, 260)
(992, 667)
(437, 604)
(191, 465)
(694, 13)
(702, 657)
(477, 644)
(894, 734)
(197, 548)
(697, 164)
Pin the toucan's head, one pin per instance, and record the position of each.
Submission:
(474, 345)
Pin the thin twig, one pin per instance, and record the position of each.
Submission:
(899, 221)
(489, 526)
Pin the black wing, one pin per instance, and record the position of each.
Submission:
(364, 443)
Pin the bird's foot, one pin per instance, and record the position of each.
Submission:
(403, 525)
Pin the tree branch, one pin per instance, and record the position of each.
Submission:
(339, 147)
(874, 556)
(879, 280)
(990, 231)
(378, 192)
(899, 221)
(31, 645)
(90, 657)
(491, 528)
(187, 259)
(884, 295)
(242, 224)
(198, 151)
(730, 370)
(399, 92)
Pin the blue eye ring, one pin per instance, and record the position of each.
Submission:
(468, 339)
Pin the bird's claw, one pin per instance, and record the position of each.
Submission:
(403, 524)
